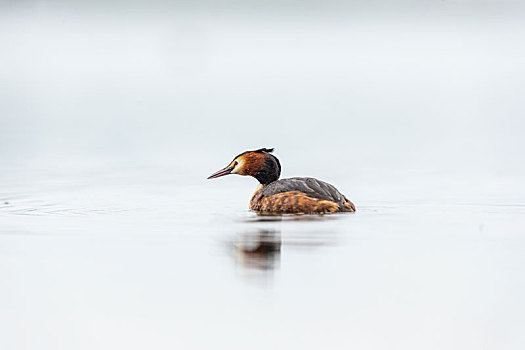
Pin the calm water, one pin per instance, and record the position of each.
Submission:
(145, 257)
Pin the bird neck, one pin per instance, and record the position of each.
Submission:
(265, 178)
(269, 171)
(266, 171)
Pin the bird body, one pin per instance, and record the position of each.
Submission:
(299, 195)
(293, 195)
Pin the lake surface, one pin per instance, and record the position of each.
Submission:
(142, 256)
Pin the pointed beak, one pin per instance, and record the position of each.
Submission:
(222, 172)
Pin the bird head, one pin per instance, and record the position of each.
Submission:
(260, 164)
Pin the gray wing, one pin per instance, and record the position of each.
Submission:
(311, 187)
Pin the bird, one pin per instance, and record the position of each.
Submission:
(296, 195)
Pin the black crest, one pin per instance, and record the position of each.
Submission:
(264, 150)
(260, 150)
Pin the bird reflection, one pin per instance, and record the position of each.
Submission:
(260, 249)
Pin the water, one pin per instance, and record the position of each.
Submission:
(112, 117)
(144, 257)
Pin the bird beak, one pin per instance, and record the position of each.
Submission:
(222, 172)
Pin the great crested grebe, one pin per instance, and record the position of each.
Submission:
(294, 195)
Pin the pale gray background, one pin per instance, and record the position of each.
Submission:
(112, 114)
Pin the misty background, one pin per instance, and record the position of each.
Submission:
(433, 86)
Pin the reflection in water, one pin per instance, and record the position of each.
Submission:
(257, 250)
(291, 217)
(260, 249)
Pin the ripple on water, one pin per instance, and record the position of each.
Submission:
(34, 205)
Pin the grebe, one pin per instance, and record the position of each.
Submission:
(294, 195)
